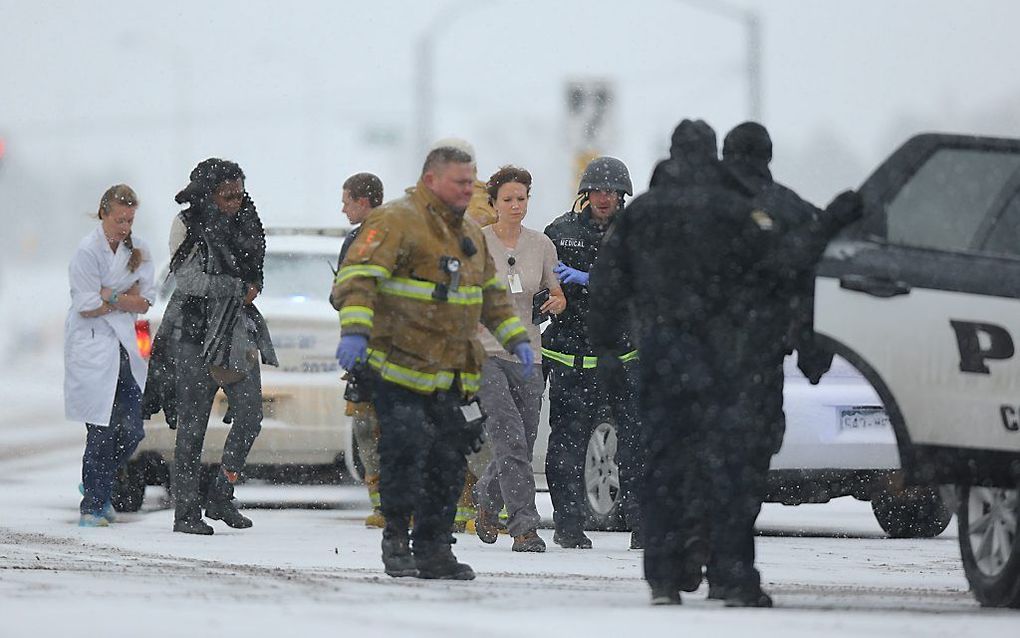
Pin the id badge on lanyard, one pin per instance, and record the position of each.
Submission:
(513, 281)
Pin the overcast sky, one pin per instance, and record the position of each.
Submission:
(302, 94)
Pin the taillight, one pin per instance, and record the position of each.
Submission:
(143, 337)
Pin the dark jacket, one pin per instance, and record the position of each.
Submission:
(577, 239)
(704, 257)
(348, 240)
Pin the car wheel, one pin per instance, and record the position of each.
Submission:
(602, 479)
(990, 544)
(129, 487)
(913, 512)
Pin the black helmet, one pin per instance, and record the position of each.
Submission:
(605, 174)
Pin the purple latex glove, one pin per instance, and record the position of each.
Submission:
(523, 352)
(568, 275)
(351, 350)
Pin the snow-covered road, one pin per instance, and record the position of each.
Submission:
(314, 571)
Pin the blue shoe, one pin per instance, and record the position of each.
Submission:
(92, 520)
(107, 512)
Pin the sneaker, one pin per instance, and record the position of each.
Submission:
(375, 519)
(486, 527)
(107, 512)
(571, 540)
(528, 542)
(92, 520)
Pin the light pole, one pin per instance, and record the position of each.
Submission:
(752, 23)
(424, 102)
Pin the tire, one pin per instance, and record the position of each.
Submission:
(990, 544)
(129, 487)
(602, 480)
(913, 512)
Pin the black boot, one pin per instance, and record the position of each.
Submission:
(752, 597)
(436, 560)
(188, 520)
(665, 593)
(220, 506)
(571, 540)
(695, 558)
(396, 551)
(636, 542)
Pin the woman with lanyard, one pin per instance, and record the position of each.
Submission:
(111, 277)
(211, 338)
(511, 395)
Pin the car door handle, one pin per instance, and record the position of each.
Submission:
(874, 286)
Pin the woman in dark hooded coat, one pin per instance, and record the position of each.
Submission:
(210, 338)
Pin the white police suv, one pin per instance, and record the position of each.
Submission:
(922, 295)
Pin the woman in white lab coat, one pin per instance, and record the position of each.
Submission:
(111, 277)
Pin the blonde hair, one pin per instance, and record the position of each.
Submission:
(124, 195)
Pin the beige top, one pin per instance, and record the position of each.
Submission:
(534, 260)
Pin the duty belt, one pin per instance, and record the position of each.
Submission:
(581, 362)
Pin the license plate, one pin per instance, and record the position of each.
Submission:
(863, 419)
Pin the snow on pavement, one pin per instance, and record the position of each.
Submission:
(318, 570)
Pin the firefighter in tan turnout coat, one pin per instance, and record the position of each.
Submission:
(411, 292)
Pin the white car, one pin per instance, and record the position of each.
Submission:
(305, 432)
(839, 441)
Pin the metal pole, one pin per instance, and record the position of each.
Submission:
(752, 22)
(424, 106)
(754, 66)
(424, 93)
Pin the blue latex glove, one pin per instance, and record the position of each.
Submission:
(351, 350)
(568, 275)
(523, 352)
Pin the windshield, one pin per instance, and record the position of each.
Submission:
(290, 275)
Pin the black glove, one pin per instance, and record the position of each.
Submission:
(470, 419)
(472, 437)
(845, 208)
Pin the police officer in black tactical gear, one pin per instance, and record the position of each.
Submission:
(700, 265)
(582, 384)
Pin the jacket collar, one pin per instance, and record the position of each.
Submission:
(428, 200)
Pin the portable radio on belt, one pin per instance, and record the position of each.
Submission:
(451, 266)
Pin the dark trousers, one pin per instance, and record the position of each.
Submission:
(196, 390)
(709, 447)
(107, 448)
(576, 400)
(421, 466)
(741, 456)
